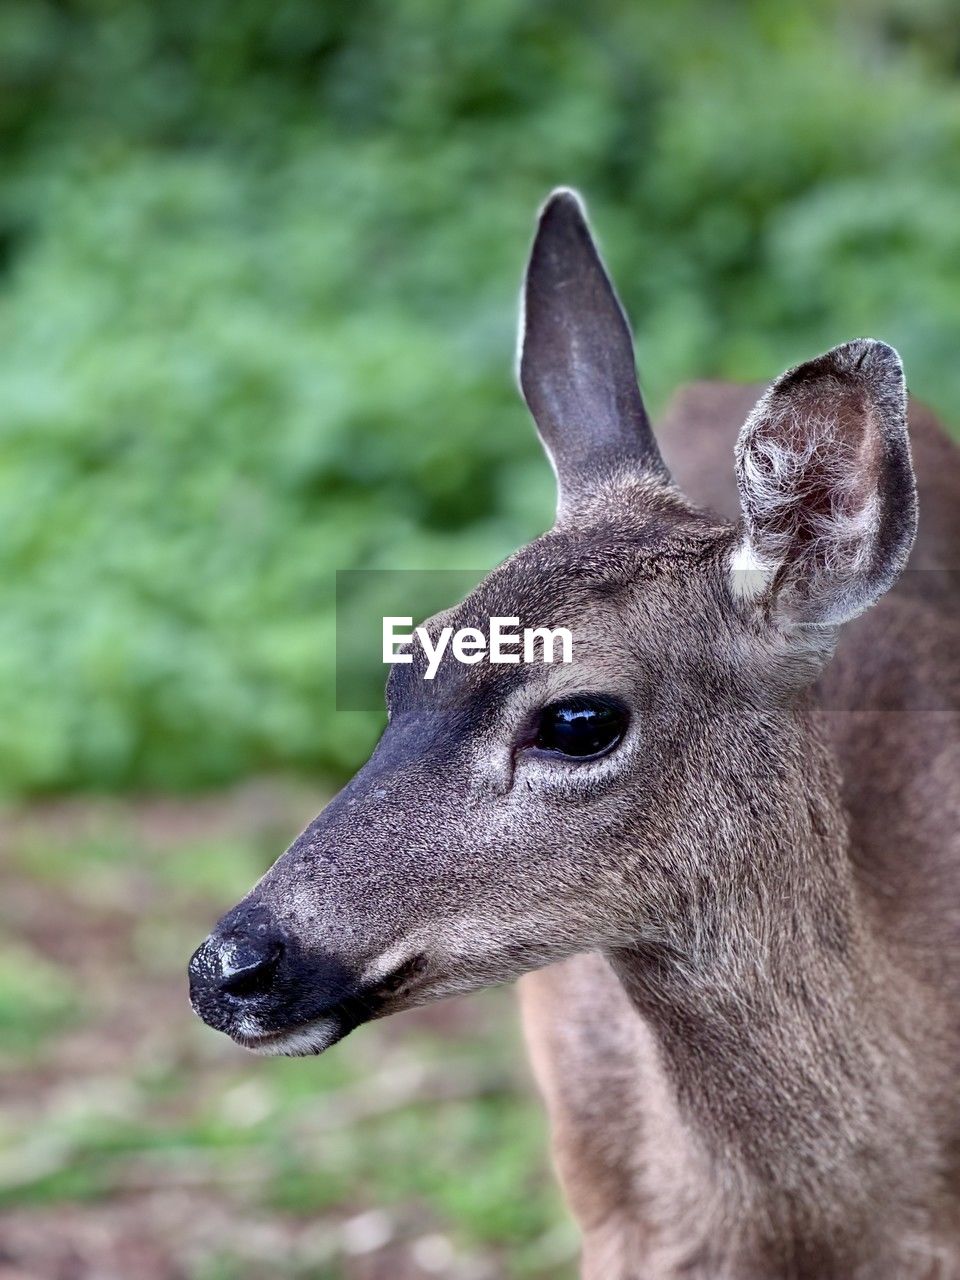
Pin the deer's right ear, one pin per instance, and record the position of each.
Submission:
(826, 487)
(577, 369)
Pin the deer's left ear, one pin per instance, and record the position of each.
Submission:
(577, 369)
(826, 487)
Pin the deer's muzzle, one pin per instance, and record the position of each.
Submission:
(253, 982)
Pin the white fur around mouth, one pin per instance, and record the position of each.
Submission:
(297, 1042)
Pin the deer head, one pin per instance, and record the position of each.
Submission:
(511, 816)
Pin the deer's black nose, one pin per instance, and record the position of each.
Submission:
(235, 966)
(256, 982)
(247, 965)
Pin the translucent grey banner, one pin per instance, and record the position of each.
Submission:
(900, 656)
(364, 598)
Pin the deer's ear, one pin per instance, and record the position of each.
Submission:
(577, 369)
(826, 486)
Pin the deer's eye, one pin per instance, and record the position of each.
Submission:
(581, 727)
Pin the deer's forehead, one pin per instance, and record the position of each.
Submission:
(617, 600)
(541, 591)
(565, 581)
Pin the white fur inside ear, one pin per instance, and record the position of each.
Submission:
(750, 575)
(802, 490)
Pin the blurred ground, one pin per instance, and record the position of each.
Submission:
(134, 1142)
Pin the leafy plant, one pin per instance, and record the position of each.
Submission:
(259, 266)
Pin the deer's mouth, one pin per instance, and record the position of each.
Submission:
(312, 1037)
(322, 1030)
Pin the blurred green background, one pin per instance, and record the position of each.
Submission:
(258, 273)
(260, 264)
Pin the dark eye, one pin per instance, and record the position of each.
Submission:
(581, 727)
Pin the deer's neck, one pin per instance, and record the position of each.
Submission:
(787, 1034)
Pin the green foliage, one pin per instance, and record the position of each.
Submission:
(260, 264)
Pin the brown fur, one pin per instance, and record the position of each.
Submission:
(862, 1081)
(740, 927)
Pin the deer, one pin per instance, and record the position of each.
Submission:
(719, 849)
